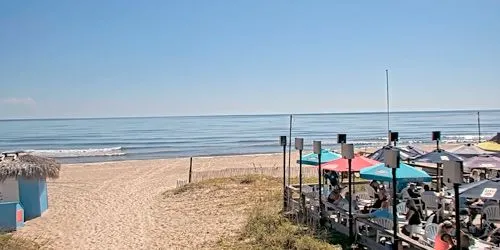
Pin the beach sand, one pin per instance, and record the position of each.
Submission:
(120, 205)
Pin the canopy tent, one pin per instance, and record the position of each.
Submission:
(482, 162)
(341, 164)
(326, 156)
(404, 173)
(404, 154)
(487, 189)
(468, 150)
(438, 156)
(28, 166)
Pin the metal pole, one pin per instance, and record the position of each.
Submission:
(439, 177)
(290, 151)
(457, 214)
(478, 127)
(349, 162)
(284, 177)
(300, 172)
(320, 186)
(394, 210)
(387, 96)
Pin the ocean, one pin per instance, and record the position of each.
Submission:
(114, 139)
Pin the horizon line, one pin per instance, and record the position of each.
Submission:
(255, 114)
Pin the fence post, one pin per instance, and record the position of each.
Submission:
(190, 168)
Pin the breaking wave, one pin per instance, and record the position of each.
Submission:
(61, 153)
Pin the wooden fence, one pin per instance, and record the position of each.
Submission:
(307, 172)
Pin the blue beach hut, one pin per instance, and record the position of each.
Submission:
(326, 156)
(23, 187)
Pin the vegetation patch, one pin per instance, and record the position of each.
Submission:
(8, 242)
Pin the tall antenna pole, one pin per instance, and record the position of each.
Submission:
(290, 151)
(479, 127)
(388, 113)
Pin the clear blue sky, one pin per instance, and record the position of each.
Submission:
(98, 58)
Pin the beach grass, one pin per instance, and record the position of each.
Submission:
(265, 226)
(8, 242)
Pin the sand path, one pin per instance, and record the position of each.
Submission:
(120, 205)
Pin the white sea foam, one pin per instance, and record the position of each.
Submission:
(56, 153)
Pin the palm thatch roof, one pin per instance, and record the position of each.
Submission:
(15, 165)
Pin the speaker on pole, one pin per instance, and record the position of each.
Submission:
(436, 135)
(341, 138)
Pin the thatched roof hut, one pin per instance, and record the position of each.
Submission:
(17, 164)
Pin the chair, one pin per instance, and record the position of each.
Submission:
(491, 213)
(387, 224)
(371, 192)
(430, 219)
(430, 233)
(431, 202)
(364, 199)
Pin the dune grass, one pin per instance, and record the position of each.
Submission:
(265, 227)
(8, 242)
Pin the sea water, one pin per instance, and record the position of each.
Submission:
(111, 139)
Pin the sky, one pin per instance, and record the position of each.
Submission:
(184, 57)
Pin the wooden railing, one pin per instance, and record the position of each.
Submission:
(305, 209)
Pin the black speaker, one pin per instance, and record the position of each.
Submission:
(283, 140)
(341, 138)
(436, 135)
(394, 136)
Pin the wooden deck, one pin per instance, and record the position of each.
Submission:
(305, 210)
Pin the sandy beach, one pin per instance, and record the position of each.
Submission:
(121, 205)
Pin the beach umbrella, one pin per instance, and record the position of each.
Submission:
(326, 156)
(438, 156)
(492, 145)
(27, 166)
(414, 151)
(403, 153)
(482, 162)
(489, 189)
(406, 173)
(468, 150)
(341, 164)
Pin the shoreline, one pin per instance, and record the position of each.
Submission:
(370, 149)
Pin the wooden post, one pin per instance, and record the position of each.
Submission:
(190, 168)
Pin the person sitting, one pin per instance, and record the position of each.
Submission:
(428, 191)
(443, 239)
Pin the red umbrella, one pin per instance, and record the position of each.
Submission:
(341, 165)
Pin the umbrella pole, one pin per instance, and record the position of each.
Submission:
(439, 177)
(319, 190)
(349, 162)
(394, 210)
(457, 214)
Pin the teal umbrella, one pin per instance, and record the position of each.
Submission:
(326, 156)
(404, 173)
